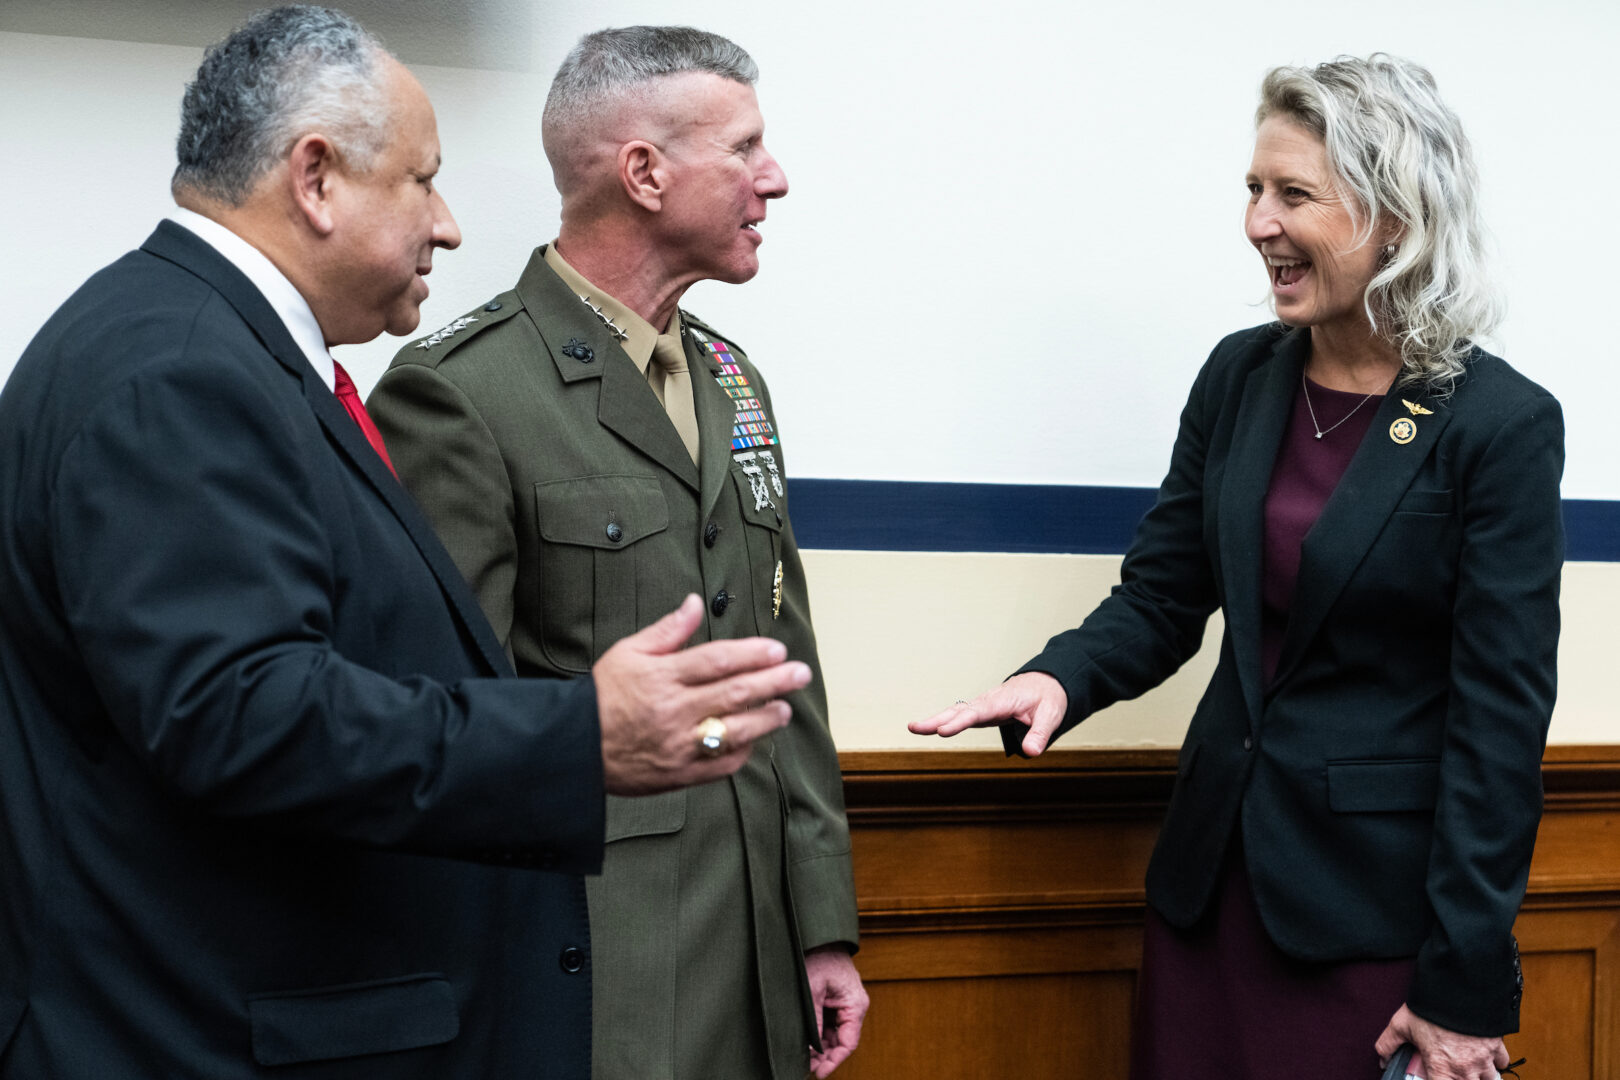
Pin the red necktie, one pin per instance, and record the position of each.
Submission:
(343, 387)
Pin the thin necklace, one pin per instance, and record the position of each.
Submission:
(1306, 390)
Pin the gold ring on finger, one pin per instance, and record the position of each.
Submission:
(713, 737)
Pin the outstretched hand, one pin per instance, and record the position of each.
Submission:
(1034, 699)
(651, 694)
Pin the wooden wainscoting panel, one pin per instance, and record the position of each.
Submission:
(1073, 1026)
(1001, 912)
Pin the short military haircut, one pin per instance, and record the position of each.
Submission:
(610, 64)
(281, 75)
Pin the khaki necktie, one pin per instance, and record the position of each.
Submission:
(671, 360)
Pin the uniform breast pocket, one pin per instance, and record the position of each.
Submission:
(590, 528)
(763, 514)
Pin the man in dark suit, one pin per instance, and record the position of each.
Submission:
(267, 798)
(587, 452)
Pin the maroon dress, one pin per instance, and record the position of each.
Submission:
(1219, 999)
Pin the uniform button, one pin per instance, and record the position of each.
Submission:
(572, 960)
(711, 533)
(1248, 743)
(493, 305)
(614, 533)
(722, 600)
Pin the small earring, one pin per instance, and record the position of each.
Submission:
(1390, 249)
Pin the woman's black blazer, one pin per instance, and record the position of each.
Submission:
(1388, 783)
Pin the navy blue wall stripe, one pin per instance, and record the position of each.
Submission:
(894, 515)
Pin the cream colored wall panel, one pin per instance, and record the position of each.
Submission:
(904, 634)
(1588, 709)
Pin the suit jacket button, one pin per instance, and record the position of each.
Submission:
(711, 533)
(1248, 742)
(722, 600)
(614, 533)
(572, 960)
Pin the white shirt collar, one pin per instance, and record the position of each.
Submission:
(272, 284)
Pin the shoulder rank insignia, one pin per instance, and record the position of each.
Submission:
(1416, 409)
(446, 331)
(613, 328)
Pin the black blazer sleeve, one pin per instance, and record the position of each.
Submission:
(1502, 682)
(1154, 619)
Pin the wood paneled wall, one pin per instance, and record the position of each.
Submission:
(1001, 912)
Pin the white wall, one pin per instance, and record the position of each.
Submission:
(1014, 229)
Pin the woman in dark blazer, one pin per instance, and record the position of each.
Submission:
(1372, 502)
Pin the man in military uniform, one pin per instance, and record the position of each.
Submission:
(589, 454)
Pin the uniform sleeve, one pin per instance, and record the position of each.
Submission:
(1504, 645)
(451, 464)
(820, 873)
(1154, 619)
(198, 575)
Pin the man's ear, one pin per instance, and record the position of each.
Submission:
(313, 175)
(642, 175)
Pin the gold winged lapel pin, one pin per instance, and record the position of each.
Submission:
(1416, 409)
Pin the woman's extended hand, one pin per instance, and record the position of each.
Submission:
(1446, 1054)
(1034, 699)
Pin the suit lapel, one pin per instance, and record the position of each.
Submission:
(715, 414)
(627, 407)
(182, 247)
(1356, 512)
(1268, 394)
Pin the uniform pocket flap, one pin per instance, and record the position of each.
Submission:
(1389, 785)
(606, 512)
(353, 1020)
(649, 815)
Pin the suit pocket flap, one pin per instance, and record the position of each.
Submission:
(1390, 785)
(1425, 502)
(607, 512)
(350, 1021)
(648, 815)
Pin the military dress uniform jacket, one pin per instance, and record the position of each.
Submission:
(566, 496)
(1387, 783)
(266, 809)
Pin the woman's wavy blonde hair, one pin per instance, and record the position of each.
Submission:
(1399, 151)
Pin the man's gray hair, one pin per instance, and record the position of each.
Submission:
(284, 73)
(605, 65)
(1399, 152)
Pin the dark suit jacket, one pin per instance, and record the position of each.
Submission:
(263, 800)
(1388, 783)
